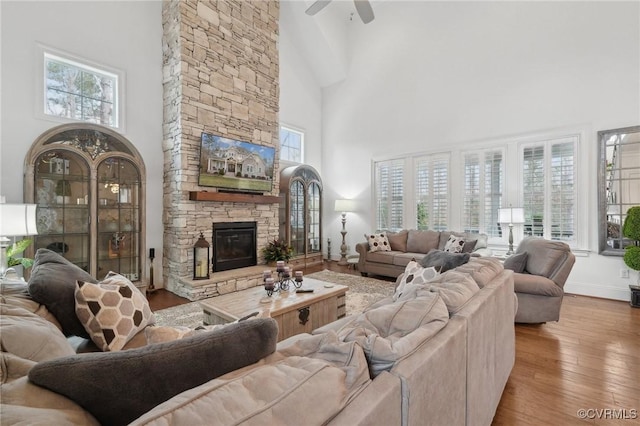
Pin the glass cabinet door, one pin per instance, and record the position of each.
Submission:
(313, 208)
(61, 191)
(118, 218)
(297, 223)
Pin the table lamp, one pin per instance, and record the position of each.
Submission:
(511, 215)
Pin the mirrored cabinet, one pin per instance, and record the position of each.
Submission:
(88, 184)
(300, 214)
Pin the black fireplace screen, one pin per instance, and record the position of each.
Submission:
(234, 245)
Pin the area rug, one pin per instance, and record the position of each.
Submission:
(363, 291)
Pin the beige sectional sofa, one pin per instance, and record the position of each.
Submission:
(413, 244)
(438, 353)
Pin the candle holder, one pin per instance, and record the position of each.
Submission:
(284, 280)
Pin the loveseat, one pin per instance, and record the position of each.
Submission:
(436, 352)
(388, 253)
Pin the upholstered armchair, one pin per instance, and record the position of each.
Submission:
(540, 285)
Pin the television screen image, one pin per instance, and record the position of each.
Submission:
(233, 164)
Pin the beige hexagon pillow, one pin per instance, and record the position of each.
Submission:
(112, 311)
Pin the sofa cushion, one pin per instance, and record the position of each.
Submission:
(381, 257)
(482, 269)
(454, 244)
(392, 331)
(455, 288)
(294, 390)
(544, 256)
(112, 311)
(152, 374)
(15, 292)
(53, 283)
(378, 242)
(422, 241)
(403, 259)
(398, 240)
(443, 261)
(516, 262)
(30, 337)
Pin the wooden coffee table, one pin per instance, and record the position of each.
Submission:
(294, 312)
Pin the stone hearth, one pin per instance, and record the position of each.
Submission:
(221, 77)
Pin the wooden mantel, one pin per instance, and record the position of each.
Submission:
(233, 197)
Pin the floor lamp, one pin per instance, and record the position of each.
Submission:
(512, 216)
(344, 206)
(16, 220)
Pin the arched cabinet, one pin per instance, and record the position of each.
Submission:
(301, 214)
(89, 186)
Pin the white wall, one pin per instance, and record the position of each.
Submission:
(437, 76)
(300, 93)
(123, 35)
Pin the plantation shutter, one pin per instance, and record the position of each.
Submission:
(493, 186)
(549, 191)
(482, 191)
(389, 191)
(432, 192)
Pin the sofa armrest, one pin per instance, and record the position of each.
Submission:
(362, 249)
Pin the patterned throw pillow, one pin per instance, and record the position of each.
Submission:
(414, 274)
(112, 311)
(454, 244)
(378, 242)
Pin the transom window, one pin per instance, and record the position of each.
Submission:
(291, 144)
(77, 91)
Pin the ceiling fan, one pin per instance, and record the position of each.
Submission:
(363, 7)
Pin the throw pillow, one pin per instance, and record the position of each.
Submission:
(469, 245)
(112, 311)
(53, 284)
(454, 244)
(398, 240)
(119, 387)
(443, 261)
(414, 274)
(378, 242)
(516, 262)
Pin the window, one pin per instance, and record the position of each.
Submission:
(483, 186)
(77, 91)
(549, 196)
(432, 192)
(389, 190)
(291, 145)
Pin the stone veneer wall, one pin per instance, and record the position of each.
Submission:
(220, 76)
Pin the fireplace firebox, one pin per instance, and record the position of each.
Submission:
(234, 245)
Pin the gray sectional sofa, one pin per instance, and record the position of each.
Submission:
(413, 244)
(438, 353)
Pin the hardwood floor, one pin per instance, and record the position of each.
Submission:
(589, 360)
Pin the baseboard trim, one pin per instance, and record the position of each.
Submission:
(602, 291)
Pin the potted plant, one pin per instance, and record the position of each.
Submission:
(631, 230)
(277, 250)
(17, 248)
(63, 192)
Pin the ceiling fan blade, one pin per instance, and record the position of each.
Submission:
(364, 10)
(317, 7)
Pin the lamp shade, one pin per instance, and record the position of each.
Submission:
(511, 215)
(17, 220)
(345, 206)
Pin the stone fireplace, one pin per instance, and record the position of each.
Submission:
(220, 77)
(234, 245)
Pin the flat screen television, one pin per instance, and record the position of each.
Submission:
(235, 165)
